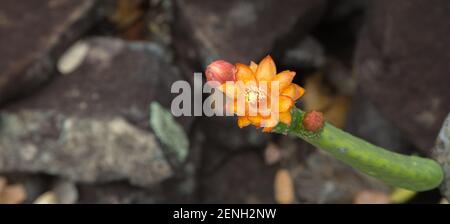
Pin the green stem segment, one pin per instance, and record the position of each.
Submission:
(409, 172)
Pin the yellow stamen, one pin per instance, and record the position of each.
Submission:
(254, 94)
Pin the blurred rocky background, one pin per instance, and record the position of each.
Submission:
(85, 98)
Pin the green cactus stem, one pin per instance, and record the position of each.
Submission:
(409, 172)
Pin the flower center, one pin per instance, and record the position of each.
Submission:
(253, 94)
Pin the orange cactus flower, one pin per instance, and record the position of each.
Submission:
(260, 96)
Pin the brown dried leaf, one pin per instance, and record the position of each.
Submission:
(2, 183)
(337, 112)
(126, 12)
(284, 187)
(48, 197)
(13, 194)
(318, 97)
(371, 197)
(272, 154)
(316, 94)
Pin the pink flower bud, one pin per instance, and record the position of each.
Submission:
(220, 71)
(313, 121)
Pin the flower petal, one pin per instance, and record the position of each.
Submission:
(229, 89)
(230, 107)
(284, 79)
(266, 69)
(286, 117)
(256, 120)
(243, 121)
(285, 103)
(253, 66)
(270, 123)
(241, 107)
(244, 73)
(293, 91)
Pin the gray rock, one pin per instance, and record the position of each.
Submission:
(117, 193)
(92, 124)
(224, 132)
(243, 178)
(366, 122)
(80, 149)
(169, 132)
(339, 28)
(320, 178)
(121, 192)
(441, 152)
(307, 53)
(340, 77)
(66, 192)
(32, 35)
(402, 64)
(114, 78)
(238, 31)
(323, 179)
(343, 9)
